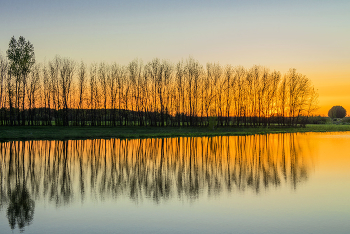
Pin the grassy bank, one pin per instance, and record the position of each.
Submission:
(62, 133)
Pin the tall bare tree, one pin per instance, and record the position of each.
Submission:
(32, 91)
(102, 78)
(65, 85)
(94, 95)
(82, 94)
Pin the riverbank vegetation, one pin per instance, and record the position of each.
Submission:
(63, 92)
(9, 133)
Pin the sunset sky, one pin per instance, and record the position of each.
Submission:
(312, 36)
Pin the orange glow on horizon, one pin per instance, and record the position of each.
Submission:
(333, 90)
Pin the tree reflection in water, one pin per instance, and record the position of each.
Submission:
(20, 210)
(159, 169)
(14, 174)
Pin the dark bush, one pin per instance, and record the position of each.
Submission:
(346, 120)
(337, 112)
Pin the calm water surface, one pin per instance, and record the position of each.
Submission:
(277, 183)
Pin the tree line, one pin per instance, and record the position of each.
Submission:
(157, 93)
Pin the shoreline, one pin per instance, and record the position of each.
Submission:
(25, 133)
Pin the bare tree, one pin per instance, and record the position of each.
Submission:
(120, 77)
(154, 70)
(47, 92)
(54, 69)
(282, 97)
(180, 89)
(192, 73)
(298, 88)
(102, 77)
(111, 86)
(312, 103)
(166, 86)
(32, 91)
(240, 94)
(65, 84)
(135, 78)
(210, 92)
(271, 108)
(94, 95)
(81, 90)
(229, 86)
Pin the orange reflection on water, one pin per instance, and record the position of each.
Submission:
(333, 152)
(61, 171)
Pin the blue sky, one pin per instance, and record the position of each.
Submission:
(219, 31)
(312, 36)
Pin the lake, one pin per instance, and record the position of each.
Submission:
(276, 183)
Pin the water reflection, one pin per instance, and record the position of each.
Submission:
(63, 172)
(20, 210)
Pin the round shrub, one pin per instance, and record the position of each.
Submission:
(337, 112)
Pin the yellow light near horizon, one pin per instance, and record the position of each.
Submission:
(333, 95)
(333, 84)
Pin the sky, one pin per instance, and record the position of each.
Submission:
(312, 36)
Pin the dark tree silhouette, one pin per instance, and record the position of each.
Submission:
(81, 89)
(21, 57)
(337, 112)
(65, 86)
